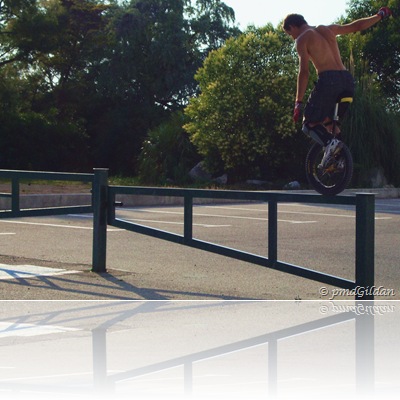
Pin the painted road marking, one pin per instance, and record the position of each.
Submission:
(175, 223)
(30, 271)
(222, 216)
(293, 212)
(10, 329)
(57, 225)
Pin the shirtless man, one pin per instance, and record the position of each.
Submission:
(319, 45)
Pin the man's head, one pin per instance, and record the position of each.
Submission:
(293, 21)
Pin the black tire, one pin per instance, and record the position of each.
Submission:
(333, 179)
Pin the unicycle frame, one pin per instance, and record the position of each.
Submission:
(335, 119)
(321, 179)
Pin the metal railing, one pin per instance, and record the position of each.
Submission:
(104, 214)
(104, 204)
(15, 177)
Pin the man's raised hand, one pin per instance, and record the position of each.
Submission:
(384, 12)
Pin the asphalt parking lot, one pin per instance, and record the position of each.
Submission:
(141, 267)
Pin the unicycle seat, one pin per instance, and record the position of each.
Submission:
(344, 98)
(342, 104)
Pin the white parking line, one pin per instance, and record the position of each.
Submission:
(293, 212)
(56, 225)
(175, 223)
(223, 216)
(30, 271)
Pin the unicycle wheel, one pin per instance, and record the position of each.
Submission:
(335, 176)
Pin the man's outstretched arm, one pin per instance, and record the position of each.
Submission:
(361, 24)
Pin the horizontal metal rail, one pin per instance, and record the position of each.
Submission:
(16, 176)
(365, 216)
(104, 203)
(45, 175)
(187, 239)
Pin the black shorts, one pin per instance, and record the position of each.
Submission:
(322, 100)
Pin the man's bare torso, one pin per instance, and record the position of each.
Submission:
(322, 48)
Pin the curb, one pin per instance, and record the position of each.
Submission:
(380, 193)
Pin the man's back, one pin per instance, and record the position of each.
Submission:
(322, 48)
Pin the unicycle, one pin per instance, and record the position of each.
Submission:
(333, 176)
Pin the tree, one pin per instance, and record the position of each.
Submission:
(241, 121)
(374, 59)
(161, 44)
(376, 50)
(373, 135)
(209, 23)
(49, 50)
(149, 72)
(109, 71)
(11, 11)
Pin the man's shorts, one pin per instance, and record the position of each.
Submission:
(322, 100)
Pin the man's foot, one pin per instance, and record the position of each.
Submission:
(331, 149)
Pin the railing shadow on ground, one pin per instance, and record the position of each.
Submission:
(82, 284)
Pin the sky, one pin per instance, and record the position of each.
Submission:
(260, 12)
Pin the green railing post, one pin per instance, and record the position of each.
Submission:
(365, 246)
(188, 219)
(100, 192)
(272, 231)
(15, 195)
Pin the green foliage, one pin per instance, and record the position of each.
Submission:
(374, 59)
(88, 83)
(109, 69)
(243, 115)
(25, 140)
(158, 47)
(167, 154)
(373, 135)
(375, 51)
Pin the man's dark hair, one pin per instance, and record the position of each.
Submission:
(296, 20)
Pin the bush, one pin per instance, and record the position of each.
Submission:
(373, 134)
(167, 154)
(242, 118)
(33, 142)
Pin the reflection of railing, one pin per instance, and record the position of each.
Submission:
(364, 345)
(17, 176)
(104, 213)
(100, 319)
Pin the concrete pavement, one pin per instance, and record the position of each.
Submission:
(141, 267)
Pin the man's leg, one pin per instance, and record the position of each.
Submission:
(317, 132)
